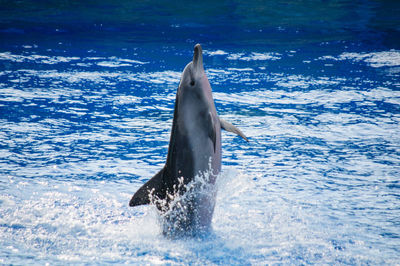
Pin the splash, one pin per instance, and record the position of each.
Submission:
(188, 209)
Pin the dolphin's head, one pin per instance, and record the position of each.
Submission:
(193, 78)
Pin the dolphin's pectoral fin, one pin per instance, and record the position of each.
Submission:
(231, 128)
(212, 132)
(153, 187)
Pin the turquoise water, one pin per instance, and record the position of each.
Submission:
(86, 103)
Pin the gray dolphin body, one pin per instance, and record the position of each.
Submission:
(194, 150)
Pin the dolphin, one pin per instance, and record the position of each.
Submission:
(185, 203)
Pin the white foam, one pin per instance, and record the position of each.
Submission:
(381, 59)
(389, 58)
(37, 58)
(261, 56)
(246, 69)
(213, 53)
(235, 56)
(117, 62)
(254, 56)
(293, 81)
(51, 60)
(132, 61)
(158, 77)
(112, 64)
(105, 76)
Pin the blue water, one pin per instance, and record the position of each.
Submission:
(86, 103)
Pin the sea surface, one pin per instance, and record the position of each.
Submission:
(87, 93)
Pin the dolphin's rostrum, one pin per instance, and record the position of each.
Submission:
(184, 189)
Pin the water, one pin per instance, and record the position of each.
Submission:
(86, 103)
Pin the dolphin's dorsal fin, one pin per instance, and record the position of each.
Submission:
(153, 187)
(231, 128)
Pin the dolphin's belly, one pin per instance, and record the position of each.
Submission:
(192, 211)
(197, 156)
(205, 153)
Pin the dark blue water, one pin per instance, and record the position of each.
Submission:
(86, 102)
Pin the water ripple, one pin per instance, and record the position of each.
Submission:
(316, 184)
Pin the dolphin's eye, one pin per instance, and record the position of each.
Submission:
(192, 83)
